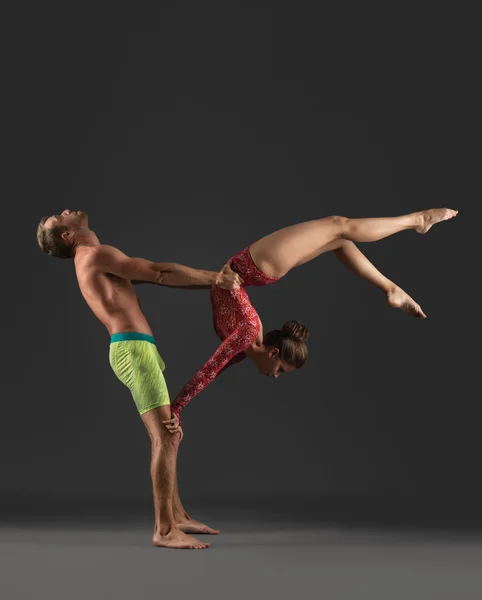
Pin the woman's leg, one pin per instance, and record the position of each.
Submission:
(354, 260)
(292, 246)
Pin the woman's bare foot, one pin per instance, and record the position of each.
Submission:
(192, 526)
(177, 539)
(432, 216)
(397, 298)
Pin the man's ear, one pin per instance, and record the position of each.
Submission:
(66, 235)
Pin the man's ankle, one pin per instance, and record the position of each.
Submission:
(163, 529)
(180, 516)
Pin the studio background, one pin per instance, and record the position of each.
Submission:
(188, 132)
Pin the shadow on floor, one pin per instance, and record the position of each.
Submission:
(433, 518)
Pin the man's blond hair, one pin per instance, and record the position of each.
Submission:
(51, 242)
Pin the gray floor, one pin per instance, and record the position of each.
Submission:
(90, 560)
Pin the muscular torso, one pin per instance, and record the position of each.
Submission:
(113, 300)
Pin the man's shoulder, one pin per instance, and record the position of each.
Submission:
(91, 258)
(91, 254)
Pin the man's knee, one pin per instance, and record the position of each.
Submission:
(163, 441)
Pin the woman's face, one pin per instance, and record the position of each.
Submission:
(271, 365)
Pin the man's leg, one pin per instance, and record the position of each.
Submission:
(163, 471)
(183, 520)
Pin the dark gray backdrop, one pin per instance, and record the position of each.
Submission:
(188, 132)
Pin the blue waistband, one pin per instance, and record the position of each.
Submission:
(131, 335)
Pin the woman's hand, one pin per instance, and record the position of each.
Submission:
(173, 426)
(228, 279)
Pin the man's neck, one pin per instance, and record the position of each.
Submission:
(86, 239)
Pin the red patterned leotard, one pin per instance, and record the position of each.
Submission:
(235, 321)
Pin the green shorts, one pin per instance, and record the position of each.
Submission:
(136, 362)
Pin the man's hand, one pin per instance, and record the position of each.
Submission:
(173, 426)
(228, 279)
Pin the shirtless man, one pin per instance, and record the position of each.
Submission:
(105, 276)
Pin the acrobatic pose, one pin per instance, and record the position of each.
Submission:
(105, 275)
(237, 323)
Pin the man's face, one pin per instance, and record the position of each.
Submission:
(73, 219)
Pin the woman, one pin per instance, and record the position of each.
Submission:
(237, 323)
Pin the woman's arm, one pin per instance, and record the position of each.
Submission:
(241, 338)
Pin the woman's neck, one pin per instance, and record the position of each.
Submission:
(254, 352)
(257, 347)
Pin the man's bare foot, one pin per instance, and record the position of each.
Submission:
(434, 215)
(177, 539)
(397, 298)
(192, 526)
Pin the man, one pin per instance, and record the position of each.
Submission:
(105, 276)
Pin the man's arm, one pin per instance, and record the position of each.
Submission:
(184, 287)
(112, 260)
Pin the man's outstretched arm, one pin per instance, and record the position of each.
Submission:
(184, 287)
(111, 260)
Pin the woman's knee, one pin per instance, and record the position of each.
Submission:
(340, 224)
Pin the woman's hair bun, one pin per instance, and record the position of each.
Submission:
(295, 330)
